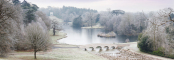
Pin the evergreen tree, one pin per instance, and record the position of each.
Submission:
(29, 10)
(16, 2)
(77, 22)
(25, 5)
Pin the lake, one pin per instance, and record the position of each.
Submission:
(83, 36)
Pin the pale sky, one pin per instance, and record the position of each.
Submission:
(103, 5)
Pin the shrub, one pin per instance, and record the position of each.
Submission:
(143, 44)
(158, 52)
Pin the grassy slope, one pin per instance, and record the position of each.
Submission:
(55, 54)
(59, 35)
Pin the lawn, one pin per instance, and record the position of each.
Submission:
(55, 53)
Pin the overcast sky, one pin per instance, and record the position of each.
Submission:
(103, 5)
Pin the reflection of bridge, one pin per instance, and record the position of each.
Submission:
(103, 47)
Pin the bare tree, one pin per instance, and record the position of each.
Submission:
(39, 40)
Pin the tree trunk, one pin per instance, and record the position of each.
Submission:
(54, 31)
(35, 53)
(154, 38)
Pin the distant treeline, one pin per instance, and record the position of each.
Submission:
(65, 11)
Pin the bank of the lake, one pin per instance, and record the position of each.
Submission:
(58, 36)
(132, 46)
(95, 27)
(70, 52)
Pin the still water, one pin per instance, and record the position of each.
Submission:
(82, 36)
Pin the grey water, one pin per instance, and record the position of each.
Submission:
(83, 36)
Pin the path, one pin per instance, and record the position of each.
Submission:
(134, 48)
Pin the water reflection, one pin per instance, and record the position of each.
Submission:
(80, 36)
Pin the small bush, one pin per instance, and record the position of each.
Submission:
(143, 44)
(170, 56)
(158, 52)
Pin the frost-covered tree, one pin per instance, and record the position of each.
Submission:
(20, 42)
(159, 30)
(38, 38)
(117, 20)
(123, 24)
(126, 26)
(45, 19)
(111, 23)
(140, 21)
(90, 18)
(104, 17)
(10, 25)
(55, 26)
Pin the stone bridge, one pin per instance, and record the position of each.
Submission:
(108, 47)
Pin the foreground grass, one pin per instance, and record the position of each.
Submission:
(55, 53)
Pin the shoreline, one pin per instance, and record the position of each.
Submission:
(58, 36)
(79, 53)
(94, 27)
(130, 46)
